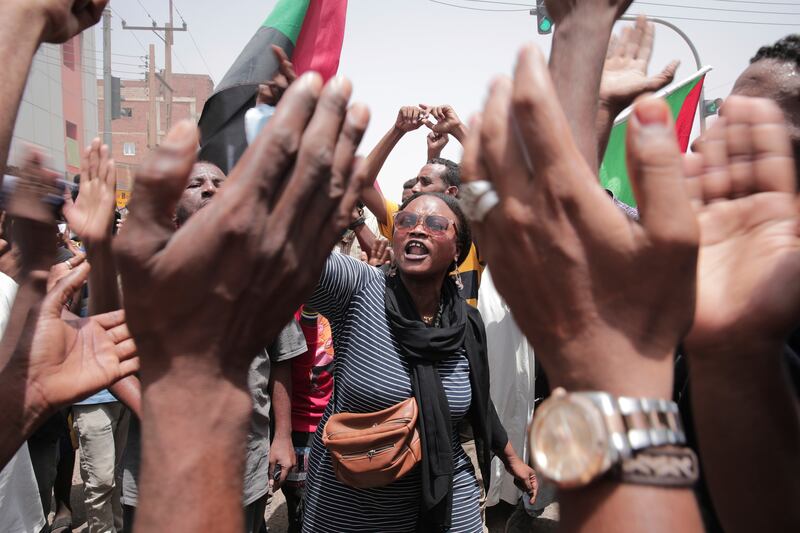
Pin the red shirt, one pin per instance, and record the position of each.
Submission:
(312, 375)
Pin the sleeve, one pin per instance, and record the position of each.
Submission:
(290, 343)
(342, 278)
(496, 430)
(386, 227)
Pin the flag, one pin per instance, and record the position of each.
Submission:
(683, 99)
(311, 33)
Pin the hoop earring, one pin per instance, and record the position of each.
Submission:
(392, 270)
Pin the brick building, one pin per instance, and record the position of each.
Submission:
(130, 133)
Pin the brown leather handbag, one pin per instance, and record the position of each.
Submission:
(374, 449)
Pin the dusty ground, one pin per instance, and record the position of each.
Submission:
(276, 516)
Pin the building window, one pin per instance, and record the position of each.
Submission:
(126, 112)
(68, 54)
(73, 150)
(129, 149)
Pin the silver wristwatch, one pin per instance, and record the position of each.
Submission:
(577, 437)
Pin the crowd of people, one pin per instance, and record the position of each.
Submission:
(227, 338)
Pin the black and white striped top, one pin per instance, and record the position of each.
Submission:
(370, 374)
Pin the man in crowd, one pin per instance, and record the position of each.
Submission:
(204, 182)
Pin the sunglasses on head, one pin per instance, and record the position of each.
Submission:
(405, 221)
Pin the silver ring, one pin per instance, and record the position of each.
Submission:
(69, 265)
(477, 198)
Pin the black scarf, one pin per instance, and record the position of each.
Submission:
(423, 347)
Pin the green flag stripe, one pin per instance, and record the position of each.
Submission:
(614, 170)
(287, 17)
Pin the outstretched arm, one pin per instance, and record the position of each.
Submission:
(580, 41)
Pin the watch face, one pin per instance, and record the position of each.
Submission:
(569, 441)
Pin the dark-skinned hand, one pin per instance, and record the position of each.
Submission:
(265, 237)
(614, 297)
(270, 92)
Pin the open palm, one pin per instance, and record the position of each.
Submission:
(92, 213)
(749, 262)
(70, 359)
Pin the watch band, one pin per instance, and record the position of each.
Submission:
(651, 422)
(665, 466)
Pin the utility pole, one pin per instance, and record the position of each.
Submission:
(152, 121)
(107, 78)
(168, 39)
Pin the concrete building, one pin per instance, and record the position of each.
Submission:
(130, 133)
(58, 114)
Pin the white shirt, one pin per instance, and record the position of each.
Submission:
(20, 506)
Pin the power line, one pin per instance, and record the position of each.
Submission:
(145, 11)
(718, 9)
(716, 20)
(479, 8)
(191, 36)
(500, 3)
(760, 3)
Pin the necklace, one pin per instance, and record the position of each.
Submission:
(434, 320)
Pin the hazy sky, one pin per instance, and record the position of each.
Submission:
(400, 52)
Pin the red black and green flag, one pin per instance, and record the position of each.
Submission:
(311, 33)
(683, 99)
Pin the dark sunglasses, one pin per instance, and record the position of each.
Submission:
(405, 220)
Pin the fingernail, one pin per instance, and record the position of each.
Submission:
(652, 112)
(310, 80)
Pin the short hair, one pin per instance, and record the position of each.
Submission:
(463, 231)
(787, 50)
(452, 174)
(409, 184)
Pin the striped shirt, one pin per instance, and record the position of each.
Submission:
(370, 374)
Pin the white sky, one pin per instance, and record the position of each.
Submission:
(401, 52)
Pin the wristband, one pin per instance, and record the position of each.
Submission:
(665, 466)
(360, 221)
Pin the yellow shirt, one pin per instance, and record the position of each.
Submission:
(470, 269)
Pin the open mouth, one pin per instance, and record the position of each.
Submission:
(416, 250)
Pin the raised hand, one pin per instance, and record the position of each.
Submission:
(63, 19)
(380, 254)
(447, 121)
(623, 290)
(625, 71)
(271, 92)
(410, 118)
(222, 302)
(436, 143)
(92, 214)
(749, 265)
(67, 360)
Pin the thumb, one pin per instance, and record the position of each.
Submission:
(156, 190)
(655, 166)
(663, 78)
(58, 297)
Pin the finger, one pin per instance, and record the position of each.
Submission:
(90, 14)
(715, 180)
(655, 167)
(312, 184)
(471, 168)
(692, 168)
(129, 367)
(425, 108)
(759, 146)
(335, 203)
(110, 321)
(664, 78)
(429, 124)
(94, 159)
(646, 33)
(84, 175)
(630, 38)
(57, 298)
(119, 332)
(125, 350)
(499, 147)
(613, 44)
(158, 185)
